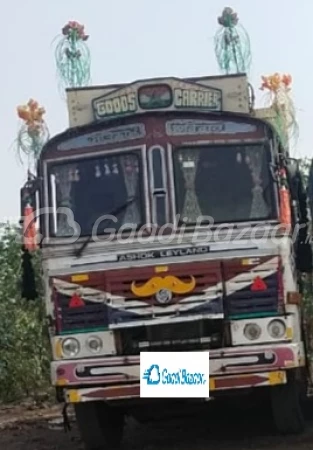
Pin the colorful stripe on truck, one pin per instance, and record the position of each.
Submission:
(227, 288)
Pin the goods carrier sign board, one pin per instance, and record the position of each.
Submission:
(170, 94)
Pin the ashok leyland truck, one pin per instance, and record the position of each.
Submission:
(174, 221)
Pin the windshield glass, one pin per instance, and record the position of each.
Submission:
(94, 188)
(228, 183)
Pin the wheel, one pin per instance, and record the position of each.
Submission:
(287, 405)
(100, 425)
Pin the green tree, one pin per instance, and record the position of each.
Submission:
(24, 343)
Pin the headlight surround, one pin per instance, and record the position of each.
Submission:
(276, 329)
(94, 344)
(70, 347)
(252, 331)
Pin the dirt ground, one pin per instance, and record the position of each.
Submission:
(26, 429)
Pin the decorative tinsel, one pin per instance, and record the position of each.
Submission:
(73, 56)
(232, 44)
(33, 133)
(279, 99)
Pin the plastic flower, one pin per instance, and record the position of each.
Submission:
(286, 80)
(229, 18)
(32, 114)
(271, 82)
(73, 27)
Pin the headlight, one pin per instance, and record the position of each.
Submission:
(94, 344)
(70, 347)
(276, 329)
(252, 331)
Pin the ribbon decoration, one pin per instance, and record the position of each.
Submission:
(33, 133)
(285, 201)
(278, 98)
(232, 44)
(72, 56)
(32, 136)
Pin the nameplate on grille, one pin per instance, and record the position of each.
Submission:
(164, 253)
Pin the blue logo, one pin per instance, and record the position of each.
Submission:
(154, 376)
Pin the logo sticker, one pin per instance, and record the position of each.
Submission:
(174, 375)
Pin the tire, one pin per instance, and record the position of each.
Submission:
(101, 426)
(287, 406)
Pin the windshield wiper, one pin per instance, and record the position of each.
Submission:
(115, 212)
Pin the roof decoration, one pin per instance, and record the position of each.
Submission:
(278, 97)
(72, 56)
(232, 44)
(33, 132)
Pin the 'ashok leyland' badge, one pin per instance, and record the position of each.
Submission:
(163, 296)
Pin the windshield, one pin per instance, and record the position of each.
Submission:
(94, 188)
(228, 183)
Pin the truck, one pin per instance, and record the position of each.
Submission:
(172, 218)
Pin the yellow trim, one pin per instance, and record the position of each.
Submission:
(249, 261)
(58, 348)
(159, 269)
(289, 333)
(74, 396)
(80, 277)
(212, 384)
(278, 377)
(61, 382)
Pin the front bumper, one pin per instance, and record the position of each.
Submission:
(112, 378)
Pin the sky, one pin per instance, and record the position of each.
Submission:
(138, 39)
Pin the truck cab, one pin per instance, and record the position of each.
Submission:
(174, 220)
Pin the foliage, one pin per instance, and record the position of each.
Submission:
(305, 165)
(24, 343)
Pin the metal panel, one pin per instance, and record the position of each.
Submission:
(235, 93)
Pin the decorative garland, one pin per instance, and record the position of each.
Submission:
(278, 88)
(72, 56)
(232, 44)
(33, 133)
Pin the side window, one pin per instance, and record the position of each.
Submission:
(158, 185)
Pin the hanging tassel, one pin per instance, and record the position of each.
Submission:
(29, 291)
(29, 229)
(284, 197)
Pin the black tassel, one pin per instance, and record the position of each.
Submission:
(29, 291)
(66, 422)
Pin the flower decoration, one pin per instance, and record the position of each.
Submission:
(229, 18)
(232, 44)
(274, 83)
(73, 57)
(74, 29)
(32, 114)
(279, 99)
(33, 133)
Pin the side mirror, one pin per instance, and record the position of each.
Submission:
(29, 193)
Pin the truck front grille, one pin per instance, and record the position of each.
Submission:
(198, 335)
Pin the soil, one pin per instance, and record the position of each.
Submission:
(30, 428)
